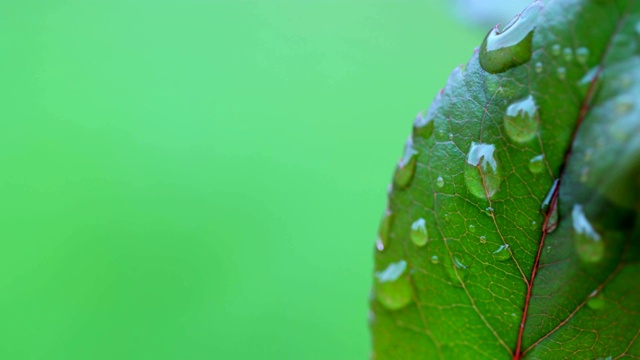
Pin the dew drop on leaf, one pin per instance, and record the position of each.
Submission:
(393, 288)
(555, 49)
(440, 181)
(456, 269)
(482, 171)
(548, 249)
(504, 49)
(407, 166)
(384, 230)
(582, 55)
(539, 67)
(549, 209)
(536, 164)
(588, 243)
(596, 300)
(534, 225)
(567, 54)
(422, 126)
(520, 120)
(561, 72)
(483, 239)
(435, 259)
(472, 228)
(502, 253)
(419, 234)
(489, 211)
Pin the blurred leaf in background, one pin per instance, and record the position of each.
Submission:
(192, 179)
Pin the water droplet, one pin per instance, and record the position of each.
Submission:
(582, 55)
(534, 225)
(407, 166)
(596, 300)
(482, 173)
(502, 253)
(548, 249)
(393, 288)
(440, 181)
(555, 49)
(585, 83)
(435, 259)
(588, 243)
(384, 230)
(458, 272)
(419, 234)
(451, 136)
(562, 73)
(536, 164)
(567, 54)
(489, 211)
(441, 135)
(584, 174)
(483, 239)
(502, 50)
(422, 126)
(472, 228)
(521, 120)
(546, 203)
(539, 67)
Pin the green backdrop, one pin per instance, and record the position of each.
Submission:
(195, 179)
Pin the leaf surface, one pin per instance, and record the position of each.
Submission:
(498, 278)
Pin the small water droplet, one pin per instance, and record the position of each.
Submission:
(534, 225)
(596, 300)
(585, 83)
(502, 253)
(407, 166)
(451, 136)
(539, 67)
(588, 243)
(393, 287)
(584, 174)
(521, 120)
(458, 272)
(423, 126)
(546, 203)
(562, 73)
(482, 172)
(567, 54)
(440, 181)
(435, 259)
(489, 211)
(441, 135)
(555, 49)
(483, 239)
(384, 230)
(536, 164)
(548, 249)
(419, 234)
(551, 210)
(472, 228)
(582, 55)
(503, 50)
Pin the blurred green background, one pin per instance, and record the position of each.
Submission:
(196, 179)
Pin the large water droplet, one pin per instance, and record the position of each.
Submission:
(384, 230)
(536, 164)
(393, 287)
(582, 55)
(567, 54)
(521, 120)
(596, 300)
(502, 253)
(588, 243)
(423, 126)
(419, 234)
(502, 50)
(440, 181)
(555, 49)
(482, 171)
(407, 166)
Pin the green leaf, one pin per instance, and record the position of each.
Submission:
(490, 259)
